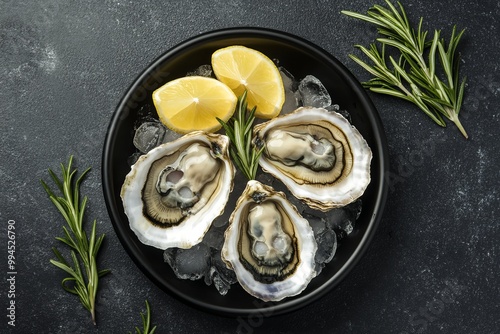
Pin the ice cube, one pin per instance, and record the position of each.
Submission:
(145, 114)
(336, 108)
(203, 71)
(221, 285)
(346, 115)
(317, 223)
(343, 219)
(192, 263)
(170, 135)
(214, 237)
(289, 81)
(333, 107)
(291, 104)
(313, 93)
(355, 208)
(339, 219)
(224, 272)
(219, 274)
(133, 158)
(327, 247)
(208, 277)
(290, 85)
(148, 136)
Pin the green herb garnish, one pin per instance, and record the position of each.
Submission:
(413, 76)
(146, 322)
(84, 250)
(239, 129)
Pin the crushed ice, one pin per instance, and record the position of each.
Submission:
(204, 260)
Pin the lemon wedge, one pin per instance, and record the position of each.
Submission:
(242, 68)
(194, 103)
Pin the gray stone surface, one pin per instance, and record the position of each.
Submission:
(434, 263)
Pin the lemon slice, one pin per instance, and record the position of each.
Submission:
(193, 103)
(243, 68)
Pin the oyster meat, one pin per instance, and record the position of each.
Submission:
(174, 192)
(321, 158)
(269, 245)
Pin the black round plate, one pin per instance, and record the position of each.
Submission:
(301, 58)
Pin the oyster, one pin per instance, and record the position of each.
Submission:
(321, 158)
(270, 247)
(174, 192)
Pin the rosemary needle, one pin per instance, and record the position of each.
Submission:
(414, 76)
(84, 250)
(239, 129)
(146, 322)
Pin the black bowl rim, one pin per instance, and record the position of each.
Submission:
(381, 190)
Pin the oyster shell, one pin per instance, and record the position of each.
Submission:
(174, 192)
(270, 247)
(321, 158)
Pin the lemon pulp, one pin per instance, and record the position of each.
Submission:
(194, 103)
(242, 68)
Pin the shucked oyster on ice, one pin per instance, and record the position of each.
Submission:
(321, 158)
(270, 247)
(174, 192)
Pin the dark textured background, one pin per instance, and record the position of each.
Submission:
(434, 263)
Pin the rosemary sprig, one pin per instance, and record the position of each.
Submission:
(146, 322)
(239, 129)
(84, 250)
(413, 76)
